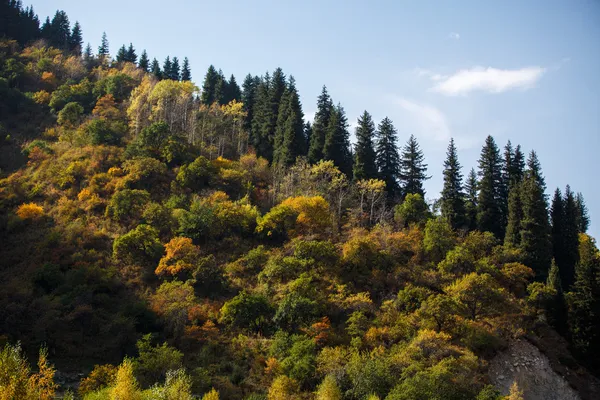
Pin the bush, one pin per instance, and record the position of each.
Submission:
(139, 246)
(296, 216)
(70, 115)
(30, 211)
(247, 311)
(101, 131)
(127, 205)
(413, 210)
(101, 376)
(154, 362)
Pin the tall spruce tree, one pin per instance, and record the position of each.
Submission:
(570, 240)
(534, 169)
(155, 69)
(262, 118)
(144, 62)
(103, 50)
(210, 87)
(507, 166)
(307, 134)
(337, 141)
(535, 229)
(512, 238)
(319, 127)
(471, 200)
(186, 73)
(166, 69)
(387, 157)
(76, 39)
(175, 70)
(453, 197)
(557, 222)
(60, 31)
(289, 135)
(557, 308)
(583, 218)
(412, 168)
(232, 91)
(122, 54)
(517, 168)
(489, 203)
(249, 89)
(364, 151)
(131, 54)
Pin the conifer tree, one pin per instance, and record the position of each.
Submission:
(364, 151)
(76, 39)
(489, 207)
(504, 188)
(232, 91)
(535, 229)
(453, 198)
(570, 240)
(307, 135)
(249, 90)
(60, 31)
(175, 70)
(166, 69)
(131, 55)
(337, 141)
(412, 168)
(88, 56)
(209, 87)
(289, 135)
(186, 73)
(155, 69)
(512, 237)
(319, 127)
(471, 200)
(45, 30)
(261, 120)
(387, 158)
(557, 307)
(583, 218)
(122, 54)
(144, 62)
(276, 89)
(517, 168)
(103, 50)
(534, 169)
(557, 221)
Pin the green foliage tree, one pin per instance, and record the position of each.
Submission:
(453, 198)
(583, 218)
(289, 132)
(247, 311)
(412, 168)
(186, 73)
(337, 141)
(569, 241)
(103, 50)
(387, 157)
(154, 362)
(478, 295)
(76, 39)
(471, 200)
(439, 238)
(515, 216)
(364, 151)
(319, 128)
(144, 62)
(139, 246)
(489, 207)
(413, 210)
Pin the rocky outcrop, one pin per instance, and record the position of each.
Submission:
(524, 363)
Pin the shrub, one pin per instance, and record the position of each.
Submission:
(247, 311)
(30, 211)
(101, 376)
(296, 216)
(154, 362)
(139, 246)
(127, 205)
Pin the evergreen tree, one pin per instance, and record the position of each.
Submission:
(209, 87)
(144, 62)
(262, 118)
(453, 198)
(60, 31)
(535, 229)
(88, 56)
(387, 157)
(319, 127)
(289, 133)
(307, 135)
(337, 141)
(504, 188)
(186, 74)
(534, 169)
(517, 167)
(412, 168)
(175, 70)
(76, 39)
(515, 216)
(167, 68)
(489, 207)
(471, 200)
(557, 308)
(155, 69)
(122, 54)
(45, 30)
(103, 50)
(131, 55)
(557, 221)
(570, 240)
(232, 91)
(249, 87)
(583, 218)
(364, 151)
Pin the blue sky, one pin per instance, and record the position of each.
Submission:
(528, 71)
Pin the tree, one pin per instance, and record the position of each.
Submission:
(122, 54)
(557, 220)
(88, 56)
(59, 32)
(231, 91)
(247, 311)
(103, 51)
(453, 198)
(155, 69)
(180, 258)
(126, 386)
(583, 218)
(319, 127)
(477, 294)
(364, 152)
(130, 55)
(534, 169)
(517, 167)
(413, 210)
(284, 388)
(412, 168)
(329, 389)
(76, 39)
(139, 246)
(289, 135)
(337, 141)
(175, 70)
(262, 117)
(144, 62)
(515, 217)
(471, 200)
(167, 71)
(569, 240)
(489, 202)
(186, 74)
(249, 93)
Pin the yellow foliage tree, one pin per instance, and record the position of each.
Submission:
(126, 386)
(284, 388)
(30, 211)
(106, 108)
(212, 395)
(329, 390)
(181, 255)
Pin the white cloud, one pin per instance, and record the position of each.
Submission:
(488, 79)
(454, 35)
(430, 121)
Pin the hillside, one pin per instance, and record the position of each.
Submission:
(163, 240)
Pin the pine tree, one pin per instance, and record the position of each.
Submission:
(249, 89)
(186, 74)
(289, 133)
(166, 69)
(122, 54)
(570, 240)
(489, 207)
(387, 158)
(517, 167)
(232, 91)
(453, 198)
(131, 55)
(557, 221)
(364, 151)
(504, 188)
(262, 117)
(534, 169)
(103, 50)
(319, 127)
(535, 229)
(88, 56)
(144, 62)
(471, 200)
(175, 70)
(209, 87)
(155, 69)
(76, 39)
(583, 218)
(337, 141)
(557, 309)
(512, 238)
(45, 30)
(60, 31)
(412, 168)
(307, 134)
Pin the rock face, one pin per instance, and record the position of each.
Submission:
(524, 363)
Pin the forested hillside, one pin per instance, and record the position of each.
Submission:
(174, 241)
